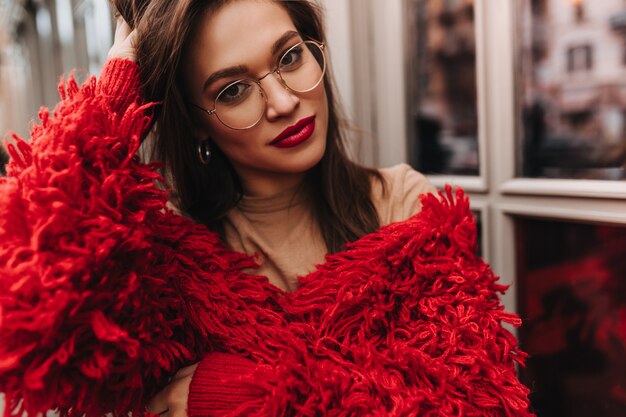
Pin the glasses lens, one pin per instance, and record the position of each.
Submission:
(240, 104)
(302, 66)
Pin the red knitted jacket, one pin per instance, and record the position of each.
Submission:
(105, 293)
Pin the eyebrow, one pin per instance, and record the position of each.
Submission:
(242, 69)
(280, 43)
(225, 73)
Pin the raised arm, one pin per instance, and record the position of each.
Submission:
(75, 212)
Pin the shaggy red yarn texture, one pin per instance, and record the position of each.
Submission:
(405, 322)
(104, 293)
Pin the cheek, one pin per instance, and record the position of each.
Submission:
(221, 135)
(227, 144)
(236, 145)
(323, 99)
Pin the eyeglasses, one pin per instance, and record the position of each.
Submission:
(241, 104)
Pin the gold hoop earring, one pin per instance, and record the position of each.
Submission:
(204, 152)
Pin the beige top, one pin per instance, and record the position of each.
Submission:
(287, 243)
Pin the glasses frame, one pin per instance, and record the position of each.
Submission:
(257, 81)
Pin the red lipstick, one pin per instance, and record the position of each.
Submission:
(296, 134)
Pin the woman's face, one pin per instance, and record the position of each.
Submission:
(246, 39)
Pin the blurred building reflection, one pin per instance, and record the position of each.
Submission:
(572, 297)
(442, 94)
(574, 89)
(42, 40)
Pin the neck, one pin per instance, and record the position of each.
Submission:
(267, 184)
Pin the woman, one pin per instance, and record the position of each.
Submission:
(246, 160)
(248, 132)
(261, 198)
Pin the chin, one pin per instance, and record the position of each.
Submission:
(299, 167)
(317, 151)
(306, 161)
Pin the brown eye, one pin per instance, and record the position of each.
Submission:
(235, 93)
(292, 59)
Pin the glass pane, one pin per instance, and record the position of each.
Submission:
(99, 32)
(573, 89)
(572, 297)
(21, 87)
(443, 122)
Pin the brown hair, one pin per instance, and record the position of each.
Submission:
(4, 160)
(342, 203)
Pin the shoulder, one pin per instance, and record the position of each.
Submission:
(396, 197)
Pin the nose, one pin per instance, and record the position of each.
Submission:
(280, 100)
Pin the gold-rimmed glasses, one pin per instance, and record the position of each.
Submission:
(241, 104)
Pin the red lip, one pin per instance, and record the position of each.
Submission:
(296, 134)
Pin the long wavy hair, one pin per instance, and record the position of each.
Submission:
(342, 205)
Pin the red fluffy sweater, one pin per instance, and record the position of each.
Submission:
(105, 293)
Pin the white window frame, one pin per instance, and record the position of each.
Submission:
(379, 57)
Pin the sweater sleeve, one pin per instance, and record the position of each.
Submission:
(78, 331)
(228, 384)
(119, 84)
(84, 114)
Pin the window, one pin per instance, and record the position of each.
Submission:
(579, 11)
(572, 115)
(579, 58)
(538, 7)
(443, 98)
(42, 41)
(553, 156)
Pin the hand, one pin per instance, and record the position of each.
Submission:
(172, 400)
(124, 43)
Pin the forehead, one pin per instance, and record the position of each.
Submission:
(239, 32)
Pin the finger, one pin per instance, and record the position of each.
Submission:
(158, 405)
(185, 372)
(131, 37)
(122, 30)
(164, 413)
